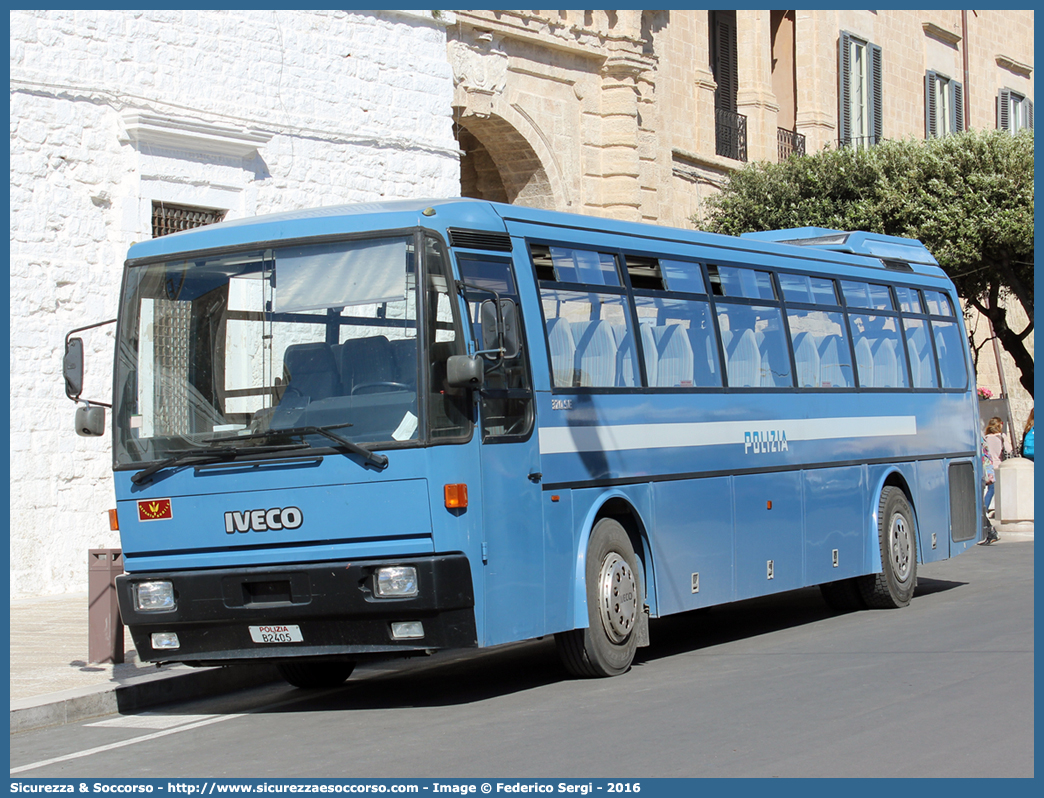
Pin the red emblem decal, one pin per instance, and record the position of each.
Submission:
(154, 510)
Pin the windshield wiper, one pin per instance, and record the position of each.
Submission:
(377, 460)
(209, 454)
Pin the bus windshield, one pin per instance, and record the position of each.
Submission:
(218, 349)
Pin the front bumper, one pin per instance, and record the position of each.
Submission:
(332, 603)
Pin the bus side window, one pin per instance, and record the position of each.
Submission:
(588, 320)
(922, 359)
(938, 304)
(867, 295)
(821, 349)
(951, 354)
(953, 369)
(682, 332)
(591, 340)
(887, 365)
(756, 354)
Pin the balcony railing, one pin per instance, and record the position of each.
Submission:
(730, 134)
(789, 142)
(859, 142)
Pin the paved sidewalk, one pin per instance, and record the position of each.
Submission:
(53, 683)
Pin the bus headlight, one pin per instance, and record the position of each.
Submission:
(154, 596)
(397, 581)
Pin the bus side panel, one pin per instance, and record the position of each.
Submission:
(692, 541)
(560, 560)
(835, 520)
(769, 534)
(932, 507)
(514, 581)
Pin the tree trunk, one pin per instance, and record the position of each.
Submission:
(1014, 343)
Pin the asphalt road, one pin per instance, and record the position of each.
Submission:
(769, 687)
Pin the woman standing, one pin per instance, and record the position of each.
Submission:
(994, 445)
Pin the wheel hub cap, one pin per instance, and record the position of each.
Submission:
(900, 548)
(618, 593)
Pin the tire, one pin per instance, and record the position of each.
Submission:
(897, 537)
(614, 601)
(315, 675)
(843, 595)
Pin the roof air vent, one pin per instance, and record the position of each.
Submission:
(897, 265)
(480, 239)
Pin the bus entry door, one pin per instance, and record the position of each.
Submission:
(513, 550)
(512, 523)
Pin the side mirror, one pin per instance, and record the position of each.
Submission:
(90, 421)
(464, 371)
(72, 368)
(90, 418)
(500, 328)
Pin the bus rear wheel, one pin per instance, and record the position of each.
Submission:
(606, 647)
(897, 536)
(315, 675)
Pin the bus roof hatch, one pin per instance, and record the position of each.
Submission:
(876, 245)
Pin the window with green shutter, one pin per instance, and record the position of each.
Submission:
(1014, 111)
(860, 92)
(943, 105)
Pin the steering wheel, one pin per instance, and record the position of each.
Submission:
(522, 423)
(293, 397)
(376, 387)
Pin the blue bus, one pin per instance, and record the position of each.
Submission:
(393, 428)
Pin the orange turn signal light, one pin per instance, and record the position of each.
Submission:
(456, 496)
(114, 521)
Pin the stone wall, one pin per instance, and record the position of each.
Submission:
(249, 112)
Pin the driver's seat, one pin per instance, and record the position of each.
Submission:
(365, 361)
(310, 370)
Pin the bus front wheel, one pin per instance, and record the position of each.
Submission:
(315, 675)
(606, 647)
(897, 536)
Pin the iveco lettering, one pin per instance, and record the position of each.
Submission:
(263, 520)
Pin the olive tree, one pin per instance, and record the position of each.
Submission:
(968, 197)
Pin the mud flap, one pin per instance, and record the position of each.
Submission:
(642, 628)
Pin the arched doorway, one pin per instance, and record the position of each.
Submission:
(500, 165)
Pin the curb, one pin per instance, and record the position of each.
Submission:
(162, 687)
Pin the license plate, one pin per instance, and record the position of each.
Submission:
(276, 634)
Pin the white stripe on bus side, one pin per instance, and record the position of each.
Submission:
(623, 437)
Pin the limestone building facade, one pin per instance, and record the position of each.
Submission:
(126, 123)
(640, 115)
